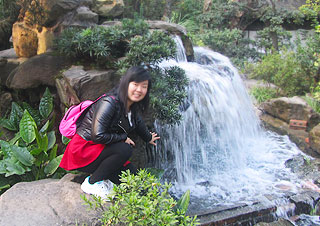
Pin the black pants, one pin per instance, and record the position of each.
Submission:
(109, 163)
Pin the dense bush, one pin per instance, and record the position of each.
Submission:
(152, 10)
(142, 200)
(230, 43)
(120, 47)
(283, 70)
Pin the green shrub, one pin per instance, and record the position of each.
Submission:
(283, 70)
(314, 103)
(32, 153)
(167, 94)
(230, 43)
(262, 94)
(142, 200)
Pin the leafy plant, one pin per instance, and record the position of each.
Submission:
(313, 102)
(262, 94)
(230, 43)
(167, 93)
(283, 70)
(32, 153)
(142, 200)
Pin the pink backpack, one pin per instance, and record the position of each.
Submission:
(68, 124)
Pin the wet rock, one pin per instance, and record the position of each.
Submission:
(285, 108)
(280, 222)
(304, 202)
(277, 114)
(307, 220)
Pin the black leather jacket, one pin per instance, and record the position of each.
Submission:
(103, 123)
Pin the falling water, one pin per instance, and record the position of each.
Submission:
(219, 151)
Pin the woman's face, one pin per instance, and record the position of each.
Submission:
(137, 91)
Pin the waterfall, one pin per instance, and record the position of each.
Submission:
(219, 150)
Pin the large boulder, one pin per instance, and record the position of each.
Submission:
(277, 114)
(8, 62)
(46, 202)
(92, 83)
(36, 71)
(108, 8)
(285, 108)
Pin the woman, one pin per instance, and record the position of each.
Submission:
(101, 146)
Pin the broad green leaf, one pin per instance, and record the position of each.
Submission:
(46, 104)
(23, 155)
(27, 127)
(36, 151)
(38, 137)
(16, 112)
(53, 165)
(44, 127)
(51, 139)
(6, 123)
(3, 168)
(53, 152)
(65, 140)
(44, 143)
(33, 112)
(14, 167)
(183, 202)
(6, 149)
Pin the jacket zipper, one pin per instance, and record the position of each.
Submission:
(122, 128)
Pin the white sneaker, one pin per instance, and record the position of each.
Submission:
(108, 184)
(99, 188)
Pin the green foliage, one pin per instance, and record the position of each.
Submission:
(262, 94)
(142, 200)
(32, 153)
(105, 46)
(316, 93)
(313, 102)
(273, 36)
(230, 43)
(168, 92)
(152, 10)
(151, 49)
(283, 70)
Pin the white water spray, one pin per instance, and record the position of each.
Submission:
(219, 151)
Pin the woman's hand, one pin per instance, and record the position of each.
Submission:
(154, 138)
(129, 141)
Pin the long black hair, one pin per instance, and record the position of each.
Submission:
(134, 74)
